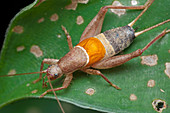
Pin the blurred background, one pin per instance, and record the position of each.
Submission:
(36, 105)
(9, 9)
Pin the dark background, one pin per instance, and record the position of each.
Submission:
(9, 8)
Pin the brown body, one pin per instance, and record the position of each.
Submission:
(114, 41)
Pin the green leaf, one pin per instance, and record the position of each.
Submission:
(36, 28)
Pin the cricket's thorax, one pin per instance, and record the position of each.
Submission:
(75, 59)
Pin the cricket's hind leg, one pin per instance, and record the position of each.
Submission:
(121, 59)
(95, 26)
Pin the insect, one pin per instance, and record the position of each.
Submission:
(95, 50)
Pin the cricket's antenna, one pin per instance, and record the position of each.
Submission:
(147, 4)
(24, 73)
(155, 39)
(145, 30)
(55, 94)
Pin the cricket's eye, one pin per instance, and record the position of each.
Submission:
(56, 75)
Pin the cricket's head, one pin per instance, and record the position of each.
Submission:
(54, 72)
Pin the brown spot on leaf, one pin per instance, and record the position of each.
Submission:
(20, 48)
(168, 51)
(41, 20)
(80, 20)
(34, 91)
(118, 12)
(159, 105)
(40, 1)
(72, 6)
(90, 91)
(149, 60)
(167, 70)
(134, 2)
(18, 29)
(11, 72)
(151, 83)
(59, 35)
(162, 90)
(27, 84)
(36, 50)
(133, 97)
(54, 17)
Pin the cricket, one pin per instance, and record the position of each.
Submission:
(95, 50)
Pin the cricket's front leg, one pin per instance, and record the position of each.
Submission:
(45, 61)
(66, 83)
(69, 41)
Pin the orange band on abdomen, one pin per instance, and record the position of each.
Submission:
(94, 49)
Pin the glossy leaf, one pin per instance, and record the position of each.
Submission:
(132, 77)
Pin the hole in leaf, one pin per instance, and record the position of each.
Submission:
(159, 105)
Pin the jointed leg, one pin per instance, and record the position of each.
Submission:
(95, 26)
(70, 45)
(97, 72)
(45, 61)
(116, 60)
(66, 83)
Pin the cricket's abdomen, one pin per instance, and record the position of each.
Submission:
(116, 40)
